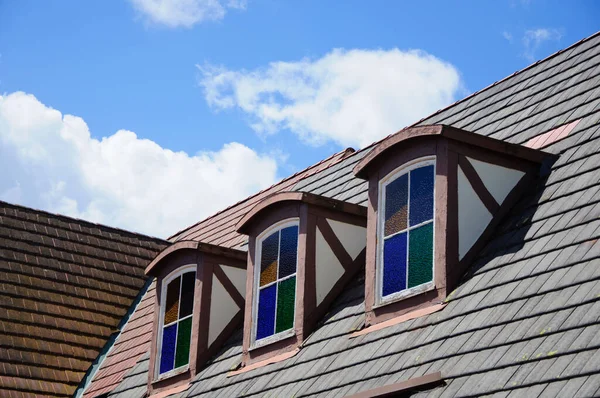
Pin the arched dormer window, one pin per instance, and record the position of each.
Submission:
(275, 283)
(176, 314)
(302, 250)
(406, 231)
(199, 301)
(436, 194)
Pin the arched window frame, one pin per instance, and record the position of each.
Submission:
(256, 285)
(404, 169)
(165, 283)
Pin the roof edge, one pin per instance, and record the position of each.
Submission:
(88, 223)
(207, 248)
(296, 196)
(361, 170)
(342, 155)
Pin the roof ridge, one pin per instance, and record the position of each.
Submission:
(343, 154)
(81, 221)
(530, 66)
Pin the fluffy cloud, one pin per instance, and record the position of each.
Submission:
(533, 39)
(121, 180)
(186, 13)
(349, 97)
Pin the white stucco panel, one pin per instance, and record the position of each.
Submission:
(498, 180)
(328, 268)
(237, 277)
(222, 310)
(352, 237)
(473, 216)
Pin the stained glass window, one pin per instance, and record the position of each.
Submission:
(177, 322)
(407, 231)
(275, 308)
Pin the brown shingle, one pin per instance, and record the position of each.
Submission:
(65, 284)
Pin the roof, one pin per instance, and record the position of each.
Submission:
(219, 229)
(524, 320)
(66, 285)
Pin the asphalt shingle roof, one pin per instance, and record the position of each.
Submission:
(65, 285)
(525, 320)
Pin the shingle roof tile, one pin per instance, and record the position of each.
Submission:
(65, 284)
(524, 320)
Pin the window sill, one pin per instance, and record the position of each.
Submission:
(392, 298)
(172, 373)
(272, 339)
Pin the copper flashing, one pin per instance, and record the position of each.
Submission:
(451, 133)
(415, 384)
(304, 197)
(153, 267)
(399, 319)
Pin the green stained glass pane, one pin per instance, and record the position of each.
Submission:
(184, 334)
(286, 298)
(420, 255)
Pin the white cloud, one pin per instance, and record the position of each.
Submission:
(534, 38)
(349, 97)
(507, 35)
(120, 180)
(186, 13)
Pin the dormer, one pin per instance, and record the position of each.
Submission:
(200, 291)
(436, 194)
(302, 250)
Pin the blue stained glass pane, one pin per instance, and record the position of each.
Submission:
(396, 201)
(288, 251)
(265, 320)
(394, 264)
(167, 354)
(421, 195)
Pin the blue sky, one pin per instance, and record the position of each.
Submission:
(231, 95)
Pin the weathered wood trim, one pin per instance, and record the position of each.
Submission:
(478, 186)
(392, 390)
(244, 225)
(361, 170)
(228, 285)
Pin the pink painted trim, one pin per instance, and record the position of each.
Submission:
(552, 136)
(170, 391)
(402, 318)
(260, 364)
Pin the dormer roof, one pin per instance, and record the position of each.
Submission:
(522, 319)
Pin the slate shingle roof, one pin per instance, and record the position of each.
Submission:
(65, 285)
(524, 322)
(218, 229)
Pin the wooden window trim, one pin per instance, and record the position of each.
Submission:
(256, 288)
(165, 283)
(383, 183)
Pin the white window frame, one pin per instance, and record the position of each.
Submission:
(163, 298)
(380, 300)
(257, 261)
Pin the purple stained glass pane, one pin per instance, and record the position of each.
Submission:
(288, 251)
(421, 195)
(167, 352)
(265, 320)
(396, 205)
(394, 264)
